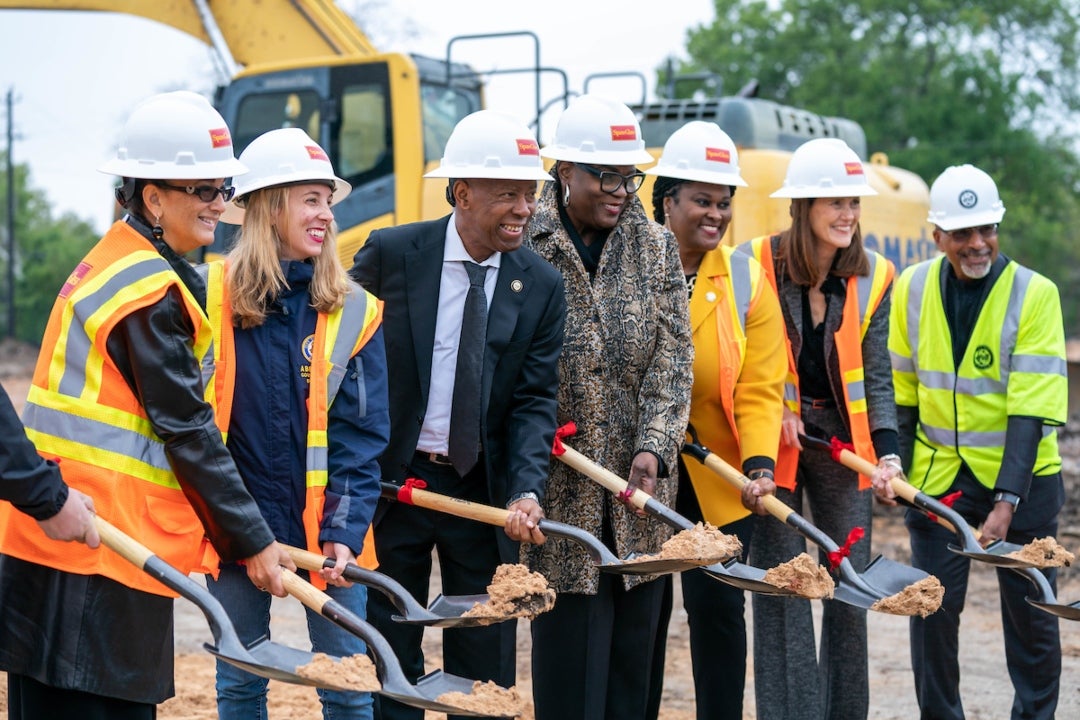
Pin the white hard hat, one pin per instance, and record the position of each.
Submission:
(824, 167)
(491, 144)
(700, 151)
(964, 196)
(283, 157)
(599, 131)
(175, 136)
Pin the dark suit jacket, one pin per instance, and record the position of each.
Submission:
(402, 266)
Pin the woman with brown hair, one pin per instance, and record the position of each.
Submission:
(835, 298)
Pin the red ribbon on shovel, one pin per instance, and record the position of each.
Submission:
(837, 446)
(566, 430)
(837, 556)
(404, 494)
(947, 500)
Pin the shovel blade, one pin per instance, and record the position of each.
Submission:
(271, 660)
(993, 554)
(446, 612)
(428, 688)
(746, 577)
(889, 577)
(1067, 612)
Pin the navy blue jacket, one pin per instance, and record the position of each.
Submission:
(268, 427)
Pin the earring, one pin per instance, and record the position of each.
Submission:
(157, 231)
(566, 195)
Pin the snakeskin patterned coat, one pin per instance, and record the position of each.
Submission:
(625, 378)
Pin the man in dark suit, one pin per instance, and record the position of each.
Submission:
(428, 273)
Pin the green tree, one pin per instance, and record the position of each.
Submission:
(933, 83)
(46, 251)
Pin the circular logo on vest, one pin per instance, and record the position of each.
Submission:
(968, 199)
(984, 357)
(306, 346)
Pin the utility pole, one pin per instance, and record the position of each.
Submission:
(10, 214)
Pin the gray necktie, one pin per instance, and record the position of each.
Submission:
(465, 410)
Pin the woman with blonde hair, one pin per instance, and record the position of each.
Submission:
(301, 395)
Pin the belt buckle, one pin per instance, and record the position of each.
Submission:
(818, 403)
(438, 459)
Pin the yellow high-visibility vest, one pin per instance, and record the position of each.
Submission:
(1014, 365)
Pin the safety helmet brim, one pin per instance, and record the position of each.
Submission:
(817, 191)
(151, 170)
(703, 176)
(234, 212)
(590, 156)
(473, 172)
(948, 224)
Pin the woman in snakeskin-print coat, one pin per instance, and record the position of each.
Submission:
(625, 379)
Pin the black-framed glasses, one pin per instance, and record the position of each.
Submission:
(610, 181)
(964, 234)
(206, 193)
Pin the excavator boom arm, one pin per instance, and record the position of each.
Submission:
(256, 31)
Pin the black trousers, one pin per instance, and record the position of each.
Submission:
(715, 613)
(30, 700)
(468, 555)
(1032, 640)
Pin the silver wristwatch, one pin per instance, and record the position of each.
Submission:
(1006, 496)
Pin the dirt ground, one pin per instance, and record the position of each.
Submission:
(985, 685)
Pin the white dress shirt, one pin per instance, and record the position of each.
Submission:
(453, 287)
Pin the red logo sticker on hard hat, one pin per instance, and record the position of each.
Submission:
(853, 168)
(623, 132)
(73, 279)
(220, 137)
(316, 153)
(718, 155)
(528, 146)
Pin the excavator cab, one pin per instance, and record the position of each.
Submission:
(383, 121)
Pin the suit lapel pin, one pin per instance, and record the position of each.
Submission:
(710, 296)
(516, 285)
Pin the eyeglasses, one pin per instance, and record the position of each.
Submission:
(206, 193)
(964, 234)
(610, 181)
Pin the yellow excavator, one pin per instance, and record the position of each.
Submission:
(384, 117)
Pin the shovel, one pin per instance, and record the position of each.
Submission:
(394, 683)
(732, 572)
(264, 658)
(445, 612)
(603, 558)
(993, 554)
(882, 578)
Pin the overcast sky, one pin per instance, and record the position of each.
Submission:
(77, 75)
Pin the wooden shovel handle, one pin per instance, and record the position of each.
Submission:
(305, 559)
(122, 544)
(901, 487)
(305, 592)
(460, 508)
(773, 506)
(602, 476)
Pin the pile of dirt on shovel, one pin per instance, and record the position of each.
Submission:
(355, 672)
(920, 598)
(803, 575)
(486, 698)
(1044, 553)
(514, 592)
(703, 543)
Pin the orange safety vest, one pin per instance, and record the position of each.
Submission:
(864, 295)
(338, 337)
(81, 411)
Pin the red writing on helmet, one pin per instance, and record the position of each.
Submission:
(853, 168)
(717, 155)
(623, 132)
(528, 146)
(316, 153)
(219, 137)
(73, 279)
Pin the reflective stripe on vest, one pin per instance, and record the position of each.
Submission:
(81, 410)
(339, 336)
(863, 297)
(963, 407)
